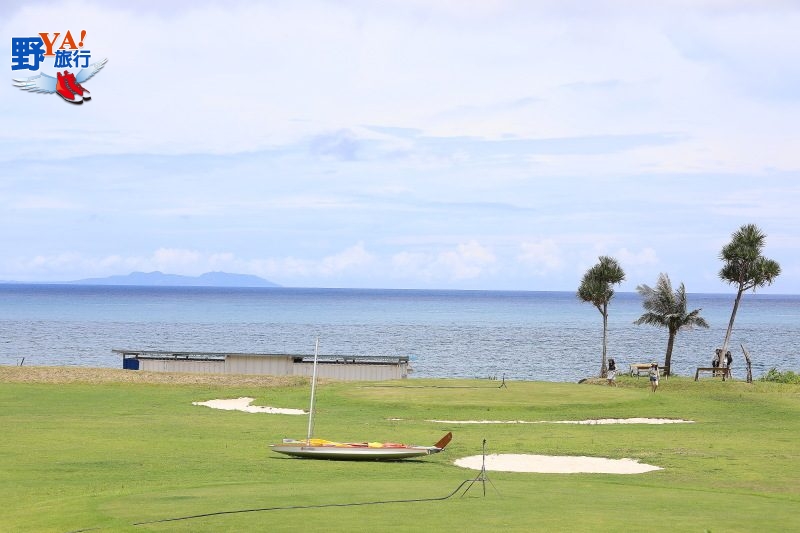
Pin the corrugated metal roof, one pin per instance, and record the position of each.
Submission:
(297, 358)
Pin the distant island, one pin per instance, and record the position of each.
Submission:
(159, 279)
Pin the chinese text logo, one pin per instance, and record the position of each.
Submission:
(32, 53)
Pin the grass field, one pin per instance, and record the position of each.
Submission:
(108, 450)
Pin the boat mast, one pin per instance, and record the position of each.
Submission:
(313, 392)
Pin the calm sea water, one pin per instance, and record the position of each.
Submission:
(549, 336)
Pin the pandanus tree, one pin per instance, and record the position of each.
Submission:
(666, 308)
(745, 267)
(597, 288)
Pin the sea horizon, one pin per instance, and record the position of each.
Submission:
(765, 291)
(520, 334)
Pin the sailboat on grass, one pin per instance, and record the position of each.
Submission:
(311, 448)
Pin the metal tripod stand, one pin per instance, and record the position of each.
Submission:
(482, 477)
(502, 385)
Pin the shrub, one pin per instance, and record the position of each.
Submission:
(777, 376)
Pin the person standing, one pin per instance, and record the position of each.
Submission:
(654, 377)
(716, 362)
(728, 363)
(612, 373)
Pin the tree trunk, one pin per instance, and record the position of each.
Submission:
(721, 354)
(668, 356)
(603, 367)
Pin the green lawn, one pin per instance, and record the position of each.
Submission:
(120, 456)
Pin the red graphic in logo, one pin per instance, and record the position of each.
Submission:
(67, 85)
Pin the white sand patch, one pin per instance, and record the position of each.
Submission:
(626, 421)
(555, 464)
(483, 422)
(243, 404)
(584, 422)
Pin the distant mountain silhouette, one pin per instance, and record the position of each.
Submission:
(159, 279)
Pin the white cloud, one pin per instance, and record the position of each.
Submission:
(44, 203)
(176, 260)
(71, 265)
(543, 256)
(646, 256)
(436, 132)
(587, 79)
(351, 259)
(466, 261)
(413, 265)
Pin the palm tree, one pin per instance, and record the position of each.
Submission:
(667, 309)
(597, 288)
(745, 267)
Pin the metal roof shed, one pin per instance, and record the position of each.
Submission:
(343, 367)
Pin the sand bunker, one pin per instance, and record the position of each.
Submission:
(554, 464)
(583, 422)
(243, 404)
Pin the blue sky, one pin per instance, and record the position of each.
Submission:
(406, 144)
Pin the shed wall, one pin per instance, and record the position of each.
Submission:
(278, 366)
(182, 365)
(274, 366)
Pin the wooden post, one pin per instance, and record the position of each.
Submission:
(749, 364)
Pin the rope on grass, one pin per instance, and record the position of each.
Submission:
(286, 508)
(290, 507)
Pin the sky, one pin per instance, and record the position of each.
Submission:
(436, 144)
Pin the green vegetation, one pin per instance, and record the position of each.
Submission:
(597, 288)
(77, 455)
(745, 267)
(667, 309)
(776, 376)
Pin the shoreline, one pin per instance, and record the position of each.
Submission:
(86, 374)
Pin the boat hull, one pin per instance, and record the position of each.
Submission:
(351, 454)
(350, 451)
(321, 449)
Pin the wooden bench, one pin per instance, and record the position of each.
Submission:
(723, 371)
(644, 368)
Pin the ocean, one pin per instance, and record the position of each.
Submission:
(545, 336)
